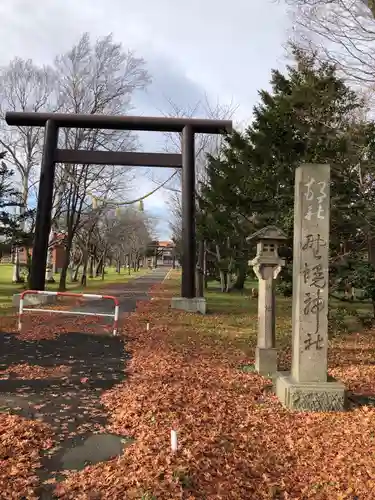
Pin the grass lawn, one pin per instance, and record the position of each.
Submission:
(8, 289)
(232, 317)
(236, 314)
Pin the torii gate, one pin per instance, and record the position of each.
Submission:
(52, 122)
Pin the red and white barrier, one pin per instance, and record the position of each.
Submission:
(115, 315)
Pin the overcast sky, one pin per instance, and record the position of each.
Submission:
(221, 49)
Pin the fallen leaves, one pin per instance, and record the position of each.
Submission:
(235, 441)
(32, 372)
(21, 441)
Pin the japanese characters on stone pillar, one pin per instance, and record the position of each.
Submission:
(310, 272)
(267, 265)
(307, 386)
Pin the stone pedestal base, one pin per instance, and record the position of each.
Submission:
(309, 396)
(196, 304)
(266, 361)
(34, 300)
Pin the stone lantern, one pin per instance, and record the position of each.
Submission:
(267, 266)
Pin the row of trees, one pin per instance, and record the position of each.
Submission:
(118, 237)
(91, 77)
(310, 115)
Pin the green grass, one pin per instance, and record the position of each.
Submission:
(232, 320)
(239, 309)
(8, 289)
(236, 316)
(240, 302)
(237, 313)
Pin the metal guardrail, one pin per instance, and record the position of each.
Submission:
(115, 315)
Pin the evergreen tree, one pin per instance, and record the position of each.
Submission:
(10, 223)
(307, 117)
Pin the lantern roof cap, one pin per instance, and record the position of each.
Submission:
(268, 233)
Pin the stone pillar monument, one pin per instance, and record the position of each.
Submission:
(267, 266)
(307, 386)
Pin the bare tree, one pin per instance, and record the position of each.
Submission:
(204, 144)
(118, 235)
(94, 78)
(340, 31)
(137, 239)
(24, 87)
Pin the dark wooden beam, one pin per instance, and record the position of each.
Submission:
(150, 123)
(79, 156)
(188, 214)
(44, 208)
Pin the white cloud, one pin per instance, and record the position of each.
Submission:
(227, 49)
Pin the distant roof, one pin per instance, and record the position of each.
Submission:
(166, 244)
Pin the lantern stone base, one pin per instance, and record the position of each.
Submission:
(34, 300)
(195, 304)
(266, 361)
(309, 396)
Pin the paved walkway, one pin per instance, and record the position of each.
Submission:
(71, 404)
(129, 293)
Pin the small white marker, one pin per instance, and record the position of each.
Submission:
(147, 326)
(174, 441)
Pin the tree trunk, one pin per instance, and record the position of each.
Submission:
(28, 259)
(25, 194)
(49, 266)
(64, 270)
(99, 267)
(241, 276)
(91, 267)
(205, 274)
(199, 270)
(84, 270)
(371, 257)
(103, 263)
(228, 283)
(222, 281)
(221, 271)
(156, 259)
(16, 266)
(371, 249)
(85, 264)
(84, 279)
(75, 272)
